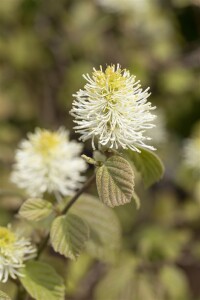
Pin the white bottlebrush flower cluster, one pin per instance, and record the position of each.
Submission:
(192, 153)
(48, 162)
(14, 250)
(113, 110)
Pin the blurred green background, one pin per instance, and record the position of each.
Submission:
(45, 47)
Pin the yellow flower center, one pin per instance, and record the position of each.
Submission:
(7, 238)
(110, 81)
(46, 142)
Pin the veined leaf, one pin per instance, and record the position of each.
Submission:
(68, 235)
(42, 282)
(4, 296)
(105, 231)
(115, 181)
(148, 164)
(35, 209)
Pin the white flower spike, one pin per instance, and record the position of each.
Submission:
(14, 250)
(48, 162)
(112, 110)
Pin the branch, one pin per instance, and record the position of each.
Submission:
(77, 195)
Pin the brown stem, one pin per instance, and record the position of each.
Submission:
(42, 246)
(76, 196)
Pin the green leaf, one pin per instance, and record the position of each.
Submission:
(105, 231)
(42, 282)
(115, 181)
(76, 272)
(148, 164)
(35, 209)
(4, 296)
(68, 235)
(168, 276)
(147, 286)
(118, 283)
(151, 242)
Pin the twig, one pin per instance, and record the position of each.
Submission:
(76, 196)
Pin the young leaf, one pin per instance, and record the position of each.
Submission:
(148, 164)
(68, 235)
(35, 209)
(115, 181)
(42, 282)
(105, 231)
(4, 296)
